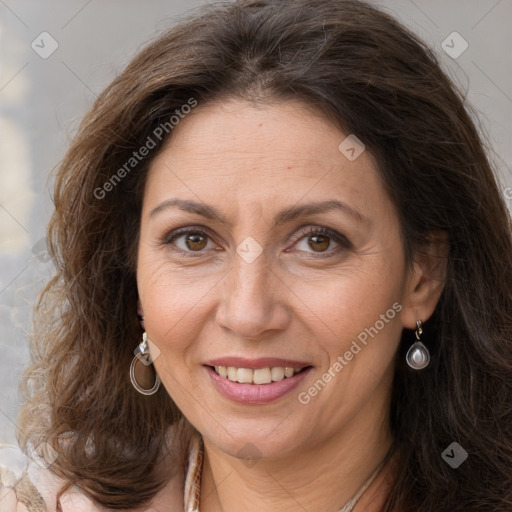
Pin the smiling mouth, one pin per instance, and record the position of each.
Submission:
(258, 375)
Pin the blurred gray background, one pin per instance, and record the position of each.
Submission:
(57, 55)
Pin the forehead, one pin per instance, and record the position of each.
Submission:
(235, 153)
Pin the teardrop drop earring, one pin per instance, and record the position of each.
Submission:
(418, 356)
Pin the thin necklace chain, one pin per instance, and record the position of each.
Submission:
(348, 507)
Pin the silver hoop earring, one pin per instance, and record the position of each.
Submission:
(418, 356)
(142, 369)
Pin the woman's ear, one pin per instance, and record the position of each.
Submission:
(140, 314)
(426, 279)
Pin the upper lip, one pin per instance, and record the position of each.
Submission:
(261, 362)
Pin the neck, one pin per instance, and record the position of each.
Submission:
(323, 476)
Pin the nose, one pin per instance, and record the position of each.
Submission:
(252, 300)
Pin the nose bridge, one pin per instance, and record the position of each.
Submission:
(251, 280)
(249, 304)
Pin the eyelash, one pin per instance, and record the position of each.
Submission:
(306, 231)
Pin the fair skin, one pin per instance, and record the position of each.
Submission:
(304, 298)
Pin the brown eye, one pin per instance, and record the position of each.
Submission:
(319, 243)
(195, 242)
(188, 240)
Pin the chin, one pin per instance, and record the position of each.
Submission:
(257, 440)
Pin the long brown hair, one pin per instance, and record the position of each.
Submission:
(377, 80)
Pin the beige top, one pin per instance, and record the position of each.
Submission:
(27, 486)
(34, 488)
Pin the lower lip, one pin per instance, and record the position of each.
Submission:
(254, 394)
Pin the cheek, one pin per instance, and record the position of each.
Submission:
(357, 335)
(359, 327)
(348, 302)
(171, 300)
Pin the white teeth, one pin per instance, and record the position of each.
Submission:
(277, 373)
(256, 376)
(244, 375)
(261, 376)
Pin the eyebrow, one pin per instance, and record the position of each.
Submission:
(285, 215)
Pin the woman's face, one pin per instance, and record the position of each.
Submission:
(265, 240)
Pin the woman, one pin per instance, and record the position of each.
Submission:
(283, 280)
